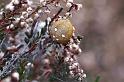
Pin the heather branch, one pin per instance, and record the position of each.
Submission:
(42, 43)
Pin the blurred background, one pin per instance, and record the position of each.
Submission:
(101, 22)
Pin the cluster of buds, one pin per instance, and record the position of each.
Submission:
(34, 32)
(72, 50)
(14, 77)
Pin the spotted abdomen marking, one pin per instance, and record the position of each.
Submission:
(61, 31)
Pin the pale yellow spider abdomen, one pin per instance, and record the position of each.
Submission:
(62, 31)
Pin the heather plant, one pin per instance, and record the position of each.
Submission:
(38, 42)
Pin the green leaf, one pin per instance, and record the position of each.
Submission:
(97, 79)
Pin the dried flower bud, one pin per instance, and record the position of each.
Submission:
(29, 65)
(69, 4)
(84, 76)
(67, 59)
(10, 7)
(46, 61)
(17, 20)
(1, 55)
(15, 75)
(79, 6)
(29, 10)
(15, 2)
(42, 1)
(22, 24)
(8, 79)
(25, 14)
(70, 1)
(71, 73)
(29, 20)
(12, 25)
(36, 16)
(30, 2)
